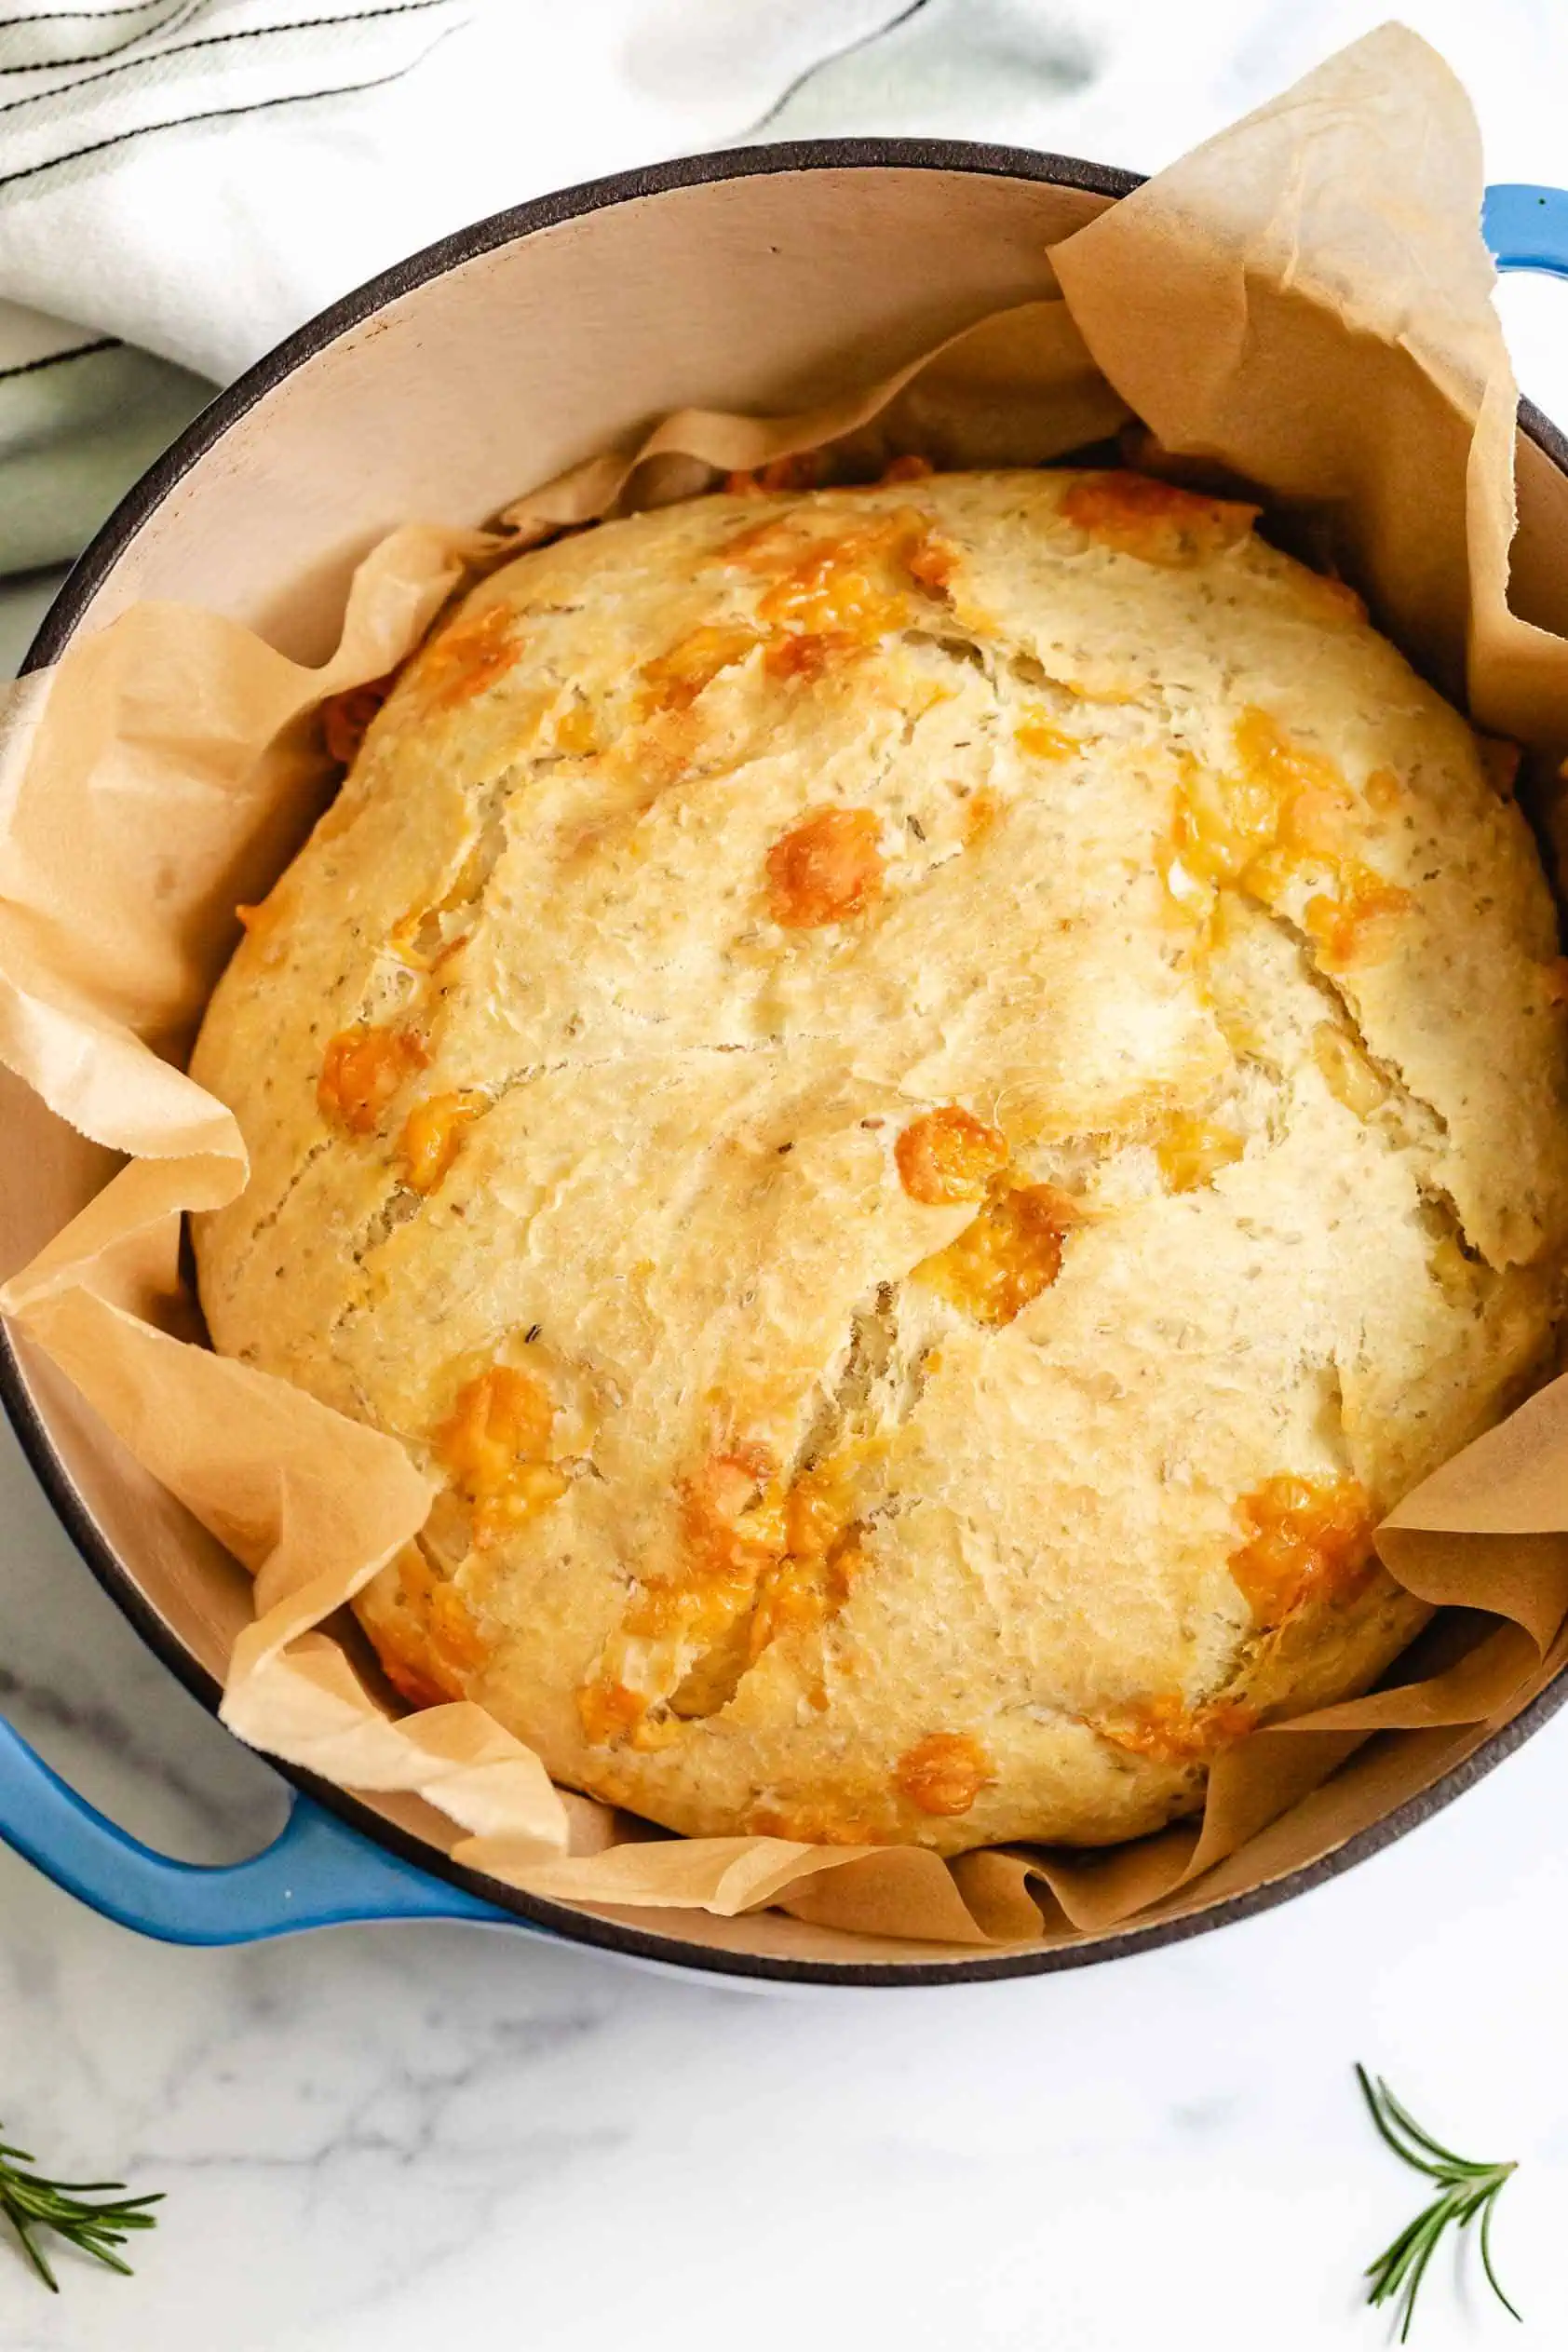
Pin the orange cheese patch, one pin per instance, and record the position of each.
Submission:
(609, 1713)
(1223, 821)
(847, 586)
(811, 1583)
(1007, 1256)
(825, 869)
(797, 1595)
(820, 1505)
(577, 731)
(1191, 1151)
(1359, 925)
(731, 1531)
(1041, 740)
(469, 656)
(803, 658)
(1169, 1730)
(1280, 810)
(732, 1514)
(432, 1137)
(909, 468)
(944, 1772)
(981, 811)
(948, 1156)
(362, 1070)
(432, 1641)
(1307, 1540)
(495, 1447)
(932, 560)
(674, 679)
(1313, 804)
(804, 470)
(1155, 520)
(837, 594)
(1279, 801)
(758, 1558)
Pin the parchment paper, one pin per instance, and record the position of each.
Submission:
(1304, 302)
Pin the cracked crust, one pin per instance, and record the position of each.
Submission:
(820, 1541)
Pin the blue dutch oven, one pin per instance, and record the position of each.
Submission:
(493, 358)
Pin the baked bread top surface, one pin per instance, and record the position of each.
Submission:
(923, 1101)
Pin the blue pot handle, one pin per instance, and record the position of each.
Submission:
(1526, 227)
(316, 1873)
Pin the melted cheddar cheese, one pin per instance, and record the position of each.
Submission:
(362, 1071)
(944, 1772)
(949, 1155)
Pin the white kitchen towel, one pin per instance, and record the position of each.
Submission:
(184, 181)
(85, 94)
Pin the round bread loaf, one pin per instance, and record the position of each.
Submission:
(922, 1103)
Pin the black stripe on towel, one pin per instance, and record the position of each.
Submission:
(222, 114)
(834, 57)
(183, 49)
(57, 359)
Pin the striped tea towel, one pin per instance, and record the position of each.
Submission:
(102, 225)
(184, 181)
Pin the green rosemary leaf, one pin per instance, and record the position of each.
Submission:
(1465, 2186)
(32, 2203)
(1445, 2160)
(1486, 2259)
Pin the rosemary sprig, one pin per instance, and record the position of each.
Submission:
(31, 2204)
(1465, 2189)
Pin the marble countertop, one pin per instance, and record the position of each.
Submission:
(396, 2137)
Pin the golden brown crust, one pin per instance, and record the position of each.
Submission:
(924, 1099)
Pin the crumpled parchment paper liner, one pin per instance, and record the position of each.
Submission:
(108, 941)
(1351, 357)
(1304, 301)
(1017, 389)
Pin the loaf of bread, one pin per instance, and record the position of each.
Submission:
(922, 1104)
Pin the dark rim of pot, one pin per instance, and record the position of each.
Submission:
(88, 575)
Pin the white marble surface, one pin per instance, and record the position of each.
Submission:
(390, 2138)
